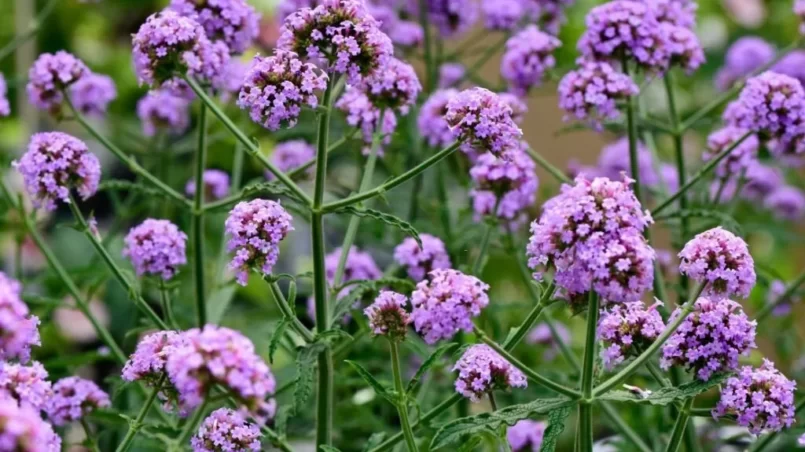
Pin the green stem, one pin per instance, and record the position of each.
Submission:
(402, 404)
(134, 426)
(623, 427)
(287, 312)
(679, 427)
(198, 219)
(631, 126)
(584, 434)
(587, 373)
(90, 440)
(167, 305)
(478, 265)
(33, 30)
(792, 287)
(681, 168)
(444, 204)
(547, 166)
(430, 70)
(192, 424)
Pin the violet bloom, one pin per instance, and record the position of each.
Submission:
(56, 163)
(162, 110)
(340, 35)
(799, 10)
(480, 119)
(776, 290)
(431, 122)
(359, 265)
(231, 80)
(518, 106)
(168, 45)
(50, 74)
(226, 430)
(526, 435)
(502, 14)
(27, 385)
(156, 248)
(627, 329)
(503, 187)
(792, 65)
(591, 92)
(528, 56)
(220, 356)
(387, 316)
(403, 33)
(147, 363)
(482, 370)
(363, 114)
(684, 47)
(787, 203)
(681, 13)
(450, 75)
(92, 94)
(393, 86)
(761, 399)
(18, 329)
(722, 261)
(73, 398)
(216, 185)
(670, 177)
(290, 155)
(744, 56)
(23, 430)
(452, 17)
(255, 229)
(614, 161)
(234, 22)
(277, 87)
(549, 13)
(5, 108)
(542, 335)
(739, 158)
(621, 266)
(761, 180)
(445, 303)
(711, 339)
(419, 261)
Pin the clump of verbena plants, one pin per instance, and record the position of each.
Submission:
(298, 247)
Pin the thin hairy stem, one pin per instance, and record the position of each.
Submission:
(402, 404)
(197, 229)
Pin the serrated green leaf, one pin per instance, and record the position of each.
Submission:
(305, 366)
(556, 425)
(427, 364)
(276, 336)
(281, 420)
(721, 217)
(667, 396)
(376, 385)
(375, 440)
(383, 217)
(332, 336)
(453, 431)
(345, 303)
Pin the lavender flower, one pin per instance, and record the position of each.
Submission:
(255, 229)
(684, 47)
(502, 14)
(739, 158)
(761, 180)
(450, 75)
(147, 363)
(770, 104)
(480, 119)
(233, 22)
(18, 330)
(73, 398)
(446, 302)
(452, 17)
(387, 316)
(23, 430)
(504, 187)
(529, 54)
(216, 185)
(711, 339)
(622, 327)
(614, 162)
(721, 260)
(226, 430)
(591, 92)
(526, 435)
(290, 155)
(362, 113)
(431, 122)
(787, 203)
(50, 75)
(792, 65)
(56, 163)
(277, 87)
(359, 266)
(393, 86)
(27, 385)
(542, 335)
(621, 267)
(681, 13)
(92, 93)
(762, 399)
(744, 57)
(5, 108)
(776, 290)
(156, 247)
(163, 110)
(482, 370)
(419, 261)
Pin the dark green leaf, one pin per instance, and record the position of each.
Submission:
(276, 336)
(432, 359)
(305, 366)
(281, 420)
(109, 417)
(376, 385)
(386, 218)
(332, 336)
(666, 396)
(556, 425)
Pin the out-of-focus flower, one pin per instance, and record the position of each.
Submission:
(747, 13)
(74, 325)
(518, 106)
(452, 17)
(622, 327)
(73, 398)
(504, 187)
(23, 430)
(542, 335)
(445, 303)
(226, 430)
(156, 247)
(233, 22)
(799, 10)
(480, 119)
(255, 229)
(431, 121)
(684, 46)
(614, 162)
(92, 93)
(591, 92)
(776, 290)
(739, 158)
(18, 330)
(549, 13)
(787, 202)
(387, 316)
(161, 110)
(526, 435)
(528, 56)
(5, 108)
(761, 180)
(721, 260)
(792, 65)
(50, 74)
(451, 74)
(419, 261)
(394, 21)
(27, 385)
(287, 7)
(482, 370)
(502, 14)
(216, 185)
(231, 80)
(290, 155)
(744, 56)
(362, 113)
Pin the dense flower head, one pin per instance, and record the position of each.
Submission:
(628, 28)
(526, 435)
(787, 202)
(147, 363)
(73, 398)
(681, 13)
(542, 335)
(761, 180)
(431, 121)
(218, 355)
(290, 155)
(19, 330)
(482, 120)
(340, 35)
(255, 229)
(739, 158)
(452, 17)
(799, 10)
(502, 14)
(419, 261)
(5, 108)
(216, 184)
(710, 339)
(549, 13)
(387, 315)
(92, 93)
(518, 106)
(777, 290)
(277, 87)
(168, 45)
(156, 248)
(393, 86)
(591, 92)
(482, 370)
(528, 56)
(508, 183)
(23, 430)
(684, 46)
(744, 56)
(362, 113)
(761, 399)
(721, 260)
(162, 110)
(626, 329)
(621, 267)
(614, 161)
(225, 430)
(50, 74)
(771, 104)
(445, 303)
(28, 385)
(234, 22)
(56, 163)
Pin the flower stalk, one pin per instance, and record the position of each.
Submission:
(198, 219)
(585, 433)
(402, 403)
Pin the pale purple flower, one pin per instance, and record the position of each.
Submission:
(504, 187)
(799, 10)
(290, 155)
(27, 385)
(502, 14)
(549, 13)
(234, 22)
(445, 303)
(5, 108)
(73, 398)
(216, 185)
(681, 13)
(526, 435)
(255, 229)
(359, 266)
(670, 176)
(787, 203)
(542, 335)
(23, 430)
(614, 161)
(287, 7)
(761, 180)
(92, 93)
(50, 74)
(226, 430)
(393, 86)
(18, 329)
(744, 57)
(528, 56)
(387, 315)
(231, 80)
(156, 248)
(451, 74)
(627, 329)
(147, 363)
(363, 114)
(452, 17)
(722, 261)
(56, 163)
(161, 110)
(739, 158)
(482, 370)
(776, 290)
(431, 122)
(480, 119)
(591, 93)
(686, 51)
(792, 65)
(393, 18)
(419, 261)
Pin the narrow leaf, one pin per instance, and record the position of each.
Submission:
(666, 396)
(376, 385)
(383, 217)
(432, 359)
(305, 366)
(276, 336)
(556, 425)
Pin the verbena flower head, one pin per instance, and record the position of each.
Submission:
(73, 398)
(92, 93)
(681, 13)
(339, 34)
(480, 119)
(162, 110)
(450, 74)
(482, 370)
(776, 290)
(156, 248)
(591, 93)
(550, 13)
(221, 356)
(419, 261)
(771, 104)
(711, 339)
(621, 266)
(255, 229)
(509, 182)
(721, 260)
(744, 56)
(234, 22)
(452, 17)
(542, 335)
(528, 56)
(216, 184)
(226, 430)
(387, 316)
(739, 158)
(445, 303)
(5, 108)
(18, 329)
(614, 161)
(168, 45)
(290, 155)
(685, 48)
(787, 202)
(502, 14)
(56, 163)
(761, 399)
(526, 436)
(362, 113)
(50, 74)
(28, 385)
(431, 122)
(625, 28)
(393, 86)
(23, 430)
(626, 329)
(147, 363)
(277, 87)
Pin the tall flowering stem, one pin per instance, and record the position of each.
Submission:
(137, 424)
(402, 403)
(585, 432)
(198, 217)
(680, 163)
(285, 308)
(631, 126)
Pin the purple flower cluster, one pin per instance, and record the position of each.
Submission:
(452, 17)
(744, 56)
(147, 363)
(549, 13)
(762, 399)
(362, 113)
(226, 430)
(722, 261)
(480, 119)
(74, 398)
(23, 430)
(156, 247)
(451, 74)
(502, 14)
(622, 327)
(255, 229)
(18, 329)
(216, 185)
(290, 155)
(482, 370)
(50, 74)
(739, 158)
(787, 203)
(387, 316)
(92, 93)
(681, 13)
(528, 55)
(5, 108)
(162, 110)
(359, 265)
(526, 435)
(445, 302)
(277, 87)
(27, 385)
(686, 51)
(419, 261)
(504, 187)
(431, 121)
(542, 335)
(710, 339)
(792, 65)
(233, 22)
(761, 180)
(393, 86)
(56, 163)
(591, 92)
